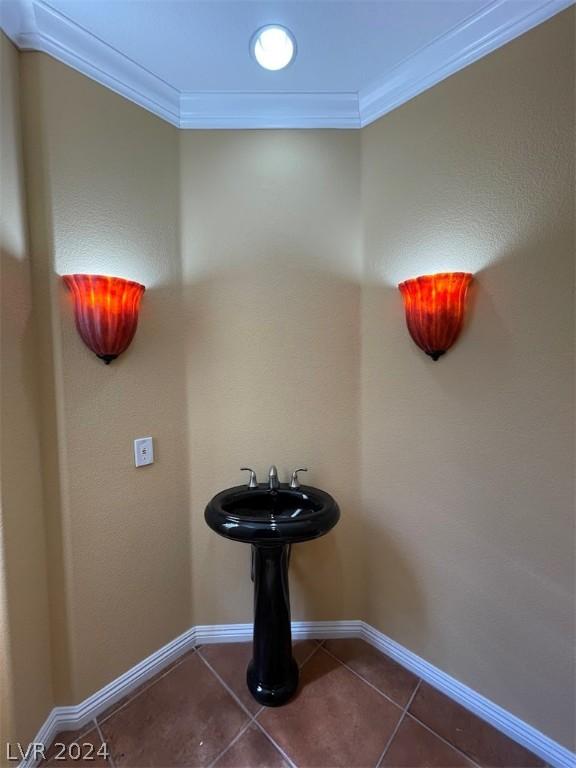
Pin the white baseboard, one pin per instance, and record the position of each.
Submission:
(553, 753)
(75, 717)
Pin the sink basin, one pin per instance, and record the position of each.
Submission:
(285, 515)
(271, 521)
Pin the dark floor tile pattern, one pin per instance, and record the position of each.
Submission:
(355, 708)
(415, 745)
(252, 749)
(334, 720)
(185, 719)
(386, 675)
(473, 736)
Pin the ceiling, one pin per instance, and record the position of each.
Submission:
(189, 62)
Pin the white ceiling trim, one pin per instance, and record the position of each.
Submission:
(32, 25)
(269, 110)
(494, 26)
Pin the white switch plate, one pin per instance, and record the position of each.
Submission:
(143, 451)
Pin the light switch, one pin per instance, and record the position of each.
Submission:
(143, 451)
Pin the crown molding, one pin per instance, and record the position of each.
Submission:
(78, 716)
(494, 26)
(34, 26)
(218, 109)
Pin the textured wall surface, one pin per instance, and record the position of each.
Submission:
(271, 261)
(103, 185)
(468, 463)
(25, 671)
(248, 352)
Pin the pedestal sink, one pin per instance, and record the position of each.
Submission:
(271, 520)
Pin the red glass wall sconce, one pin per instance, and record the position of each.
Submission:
(434, 307)
(106, 312)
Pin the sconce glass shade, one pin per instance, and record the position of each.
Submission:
(434, 307)
(106, 312)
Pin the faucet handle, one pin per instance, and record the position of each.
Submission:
(294, 479)
(253, 482)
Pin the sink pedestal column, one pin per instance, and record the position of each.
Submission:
(272, 674)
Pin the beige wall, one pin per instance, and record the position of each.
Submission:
(242, 336)
(25, 675)
(271, 259)
(103, 186)
(272, 331)
(468, 462)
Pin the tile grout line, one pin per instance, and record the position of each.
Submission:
(252, 718)
(312, 652)
(277, 746)
(87, 731)
(263, 730)
(427, 727)
(398, 724)
(406, 714)
(109, 759)
(146, 686)
(239, 735)
(227, 687)
(359, 676)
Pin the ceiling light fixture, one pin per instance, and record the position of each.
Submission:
(273, 47)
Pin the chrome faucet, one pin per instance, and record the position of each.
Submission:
(294, 481)
(273, 483)
(253, 482)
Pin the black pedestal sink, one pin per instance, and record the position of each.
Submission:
(272, 520)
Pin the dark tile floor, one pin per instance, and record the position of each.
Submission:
(355, 707)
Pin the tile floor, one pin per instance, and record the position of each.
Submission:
(355, 707)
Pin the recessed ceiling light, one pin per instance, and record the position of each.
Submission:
(273, 47)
